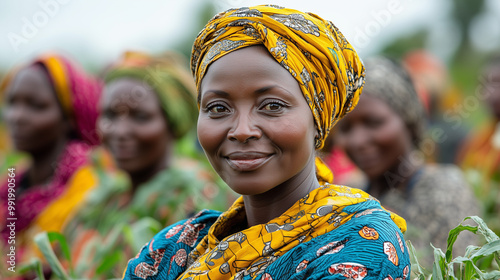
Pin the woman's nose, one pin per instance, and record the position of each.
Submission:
(357, 138)
(15, 114)
(244, 129)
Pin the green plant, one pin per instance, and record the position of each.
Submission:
(102, 255)
(481, 262)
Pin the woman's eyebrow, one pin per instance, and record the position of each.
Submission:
(268, 88)
(216, 92)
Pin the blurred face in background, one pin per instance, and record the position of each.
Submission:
(491, 80)
(374, 137)
(33, 114)
(133, 126)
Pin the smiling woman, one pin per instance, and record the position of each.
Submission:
(382, 136)
(50, 111)
(271, 83)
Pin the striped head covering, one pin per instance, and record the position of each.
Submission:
(76, 91)
(313, 50)
(169, 79)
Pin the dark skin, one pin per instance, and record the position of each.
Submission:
(33, 112)
(258, 132)
(377, 140)
(134, 129)
(492, 88)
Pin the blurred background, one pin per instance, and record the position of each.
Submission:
(446, 42)
(462, 34)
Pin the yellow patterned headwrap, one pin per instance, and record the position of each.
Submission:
(327, 68)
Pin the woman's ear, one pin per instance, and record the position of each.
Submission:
(316, 137)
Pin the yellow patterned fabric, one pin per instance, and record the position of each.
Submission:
(327, 68)
(334, 232)
(252, 250)
(62, 210)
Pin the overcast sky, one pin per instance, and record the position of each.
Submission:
(98, 31)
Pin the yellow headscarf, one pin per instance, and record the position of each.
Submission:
(327, 68)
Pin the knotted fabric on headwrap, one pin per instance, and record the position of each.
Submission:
(170, 81)
(313, 50)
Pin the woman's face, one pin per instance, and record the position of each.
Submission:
(254, 123)
(133, 126)
(33, 114)
(492, 89)
(374, 137)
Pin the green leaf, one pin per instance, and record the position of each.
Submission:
(452, 237)
(487, 233)
(439, 267)
(109, 262)
(33, 265)
(420, 271)
(42, 240)
(486, 250)
(484, 229)
(141, 232)
(475, 272)
(56, 236)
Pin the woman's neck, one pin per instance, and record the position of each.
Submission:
(262, 208)
(139, 178)
(146, 174)
(45, 163)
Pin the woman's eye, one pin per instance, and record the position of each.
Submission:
(217, 109)
(273, 106)
(374, 122)
(141, 116)
(39, 106)
(109, 115)
(344, 128)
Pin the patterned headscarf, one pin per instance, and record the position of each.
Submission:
(313, 50)
(389, 81)
(77, 92)
(171, 82)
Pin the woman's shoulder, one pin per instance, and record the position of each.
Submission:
(370, 245)
(165, 256)
(444, 185)
(442, 176)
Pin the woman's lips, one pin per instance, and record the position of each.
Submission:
(123, 152)
(246, 162)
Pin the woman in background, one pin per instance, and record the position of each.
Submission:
(382, 137)
(147, 115)
(51, 112)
